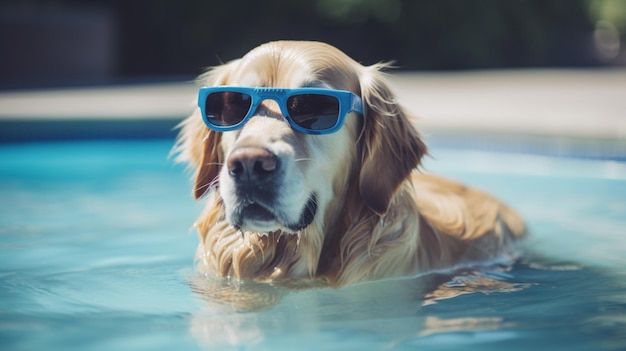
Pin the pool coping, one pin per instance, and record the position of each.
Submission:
(548, 106)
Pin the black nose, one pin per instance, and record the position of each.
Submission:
(252, 164)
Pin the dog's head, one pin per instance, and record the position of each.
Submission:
(270, 177)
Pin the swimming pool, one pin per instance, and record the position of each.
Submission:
(96, 252)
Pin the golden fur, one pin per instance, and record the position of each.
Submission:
(377, 215)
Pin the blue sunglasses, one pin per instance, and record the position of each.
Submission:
(308, 110)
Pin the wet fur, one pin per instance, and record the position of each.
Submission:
(385, 217)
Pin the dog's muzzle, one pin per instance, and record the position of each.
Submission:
(257, 174)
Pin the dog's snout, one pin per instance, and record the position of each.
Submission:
(250, 164)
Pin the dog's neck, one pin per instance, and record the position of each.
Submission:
(370, 246)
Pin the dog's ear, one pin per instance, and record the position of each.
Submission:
(199, 146)
(391, 147)
(208, 171)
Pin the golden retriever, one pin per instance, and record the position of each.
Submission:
(339, 208)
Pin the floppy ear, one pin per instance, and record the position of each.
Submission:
(208, 171)
(391, 146)
(199, 146)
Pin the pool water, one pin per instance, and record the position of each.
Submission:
(96, 253)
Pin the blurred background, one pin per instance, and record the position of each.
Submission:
(53, 43)
(84, 69)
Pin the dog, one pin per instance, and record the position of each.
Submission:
(290, 199)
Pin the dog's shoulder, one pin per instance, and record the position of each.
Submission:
(468, 219)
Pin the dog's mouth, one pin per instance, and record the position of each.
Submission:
(257, 212)
(258, 216)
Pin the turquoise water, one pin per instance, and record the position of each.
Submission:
(96, 253)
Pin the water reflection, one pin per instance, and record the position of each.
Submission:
(248, 313)
(537, 302)
(237, 296)
(471, 282)
(435, 325)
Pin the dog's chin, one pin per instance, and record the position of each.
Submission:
(256, 217)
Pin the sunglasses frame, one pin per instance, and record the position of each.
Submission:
(348, 102)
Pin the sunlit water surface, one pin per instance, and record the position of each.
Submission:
(96, 253)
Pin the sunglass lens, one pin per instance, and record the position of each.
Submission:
(224, 109)
(314, 111)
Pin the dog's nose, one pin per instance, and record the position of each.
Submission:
(251, 164)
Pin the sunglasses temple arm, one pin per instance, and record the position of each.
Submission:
(357, 104)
